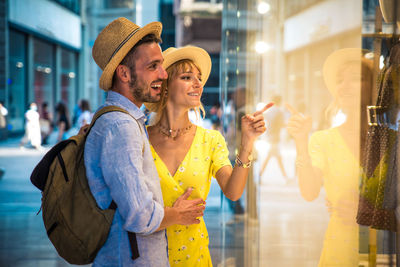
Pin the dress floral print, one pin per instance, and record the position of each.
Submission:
(188, 245)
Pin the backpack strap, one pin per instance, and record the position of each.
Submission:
(131, 236)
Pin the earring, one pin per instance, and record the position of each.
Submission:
(166, 92)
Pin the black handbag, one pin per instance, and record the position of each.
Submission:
(378, 194)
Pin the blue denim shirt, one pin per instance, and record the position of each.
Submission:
(120, 167)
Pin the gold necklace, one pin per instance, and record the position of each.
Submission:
(171, 133)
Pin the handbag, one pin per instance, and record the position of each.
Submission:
(379, 161)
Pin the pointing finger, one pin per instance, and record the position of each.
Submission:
(267, 106)
(291, 109)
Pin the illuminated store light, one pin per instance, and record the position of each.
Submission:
(262, 47)
(263, 8)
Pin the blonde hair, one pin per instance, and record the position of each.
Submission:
(173, 71)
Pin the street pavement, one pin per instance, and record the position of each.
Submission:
(23, 239)
(233, 243)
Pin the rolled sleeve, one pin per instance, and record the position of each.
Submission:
(122, 166)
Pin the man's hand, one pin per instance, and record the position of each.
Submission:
(188, 211)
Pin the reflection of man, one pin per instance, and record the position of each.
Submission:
(118, 160)
(235, 111)
(276, 120)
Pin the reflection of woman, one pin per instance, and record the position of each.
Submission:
(188, 156)
(331, 157)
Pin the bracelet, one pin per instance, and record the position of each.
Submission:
(239, 163)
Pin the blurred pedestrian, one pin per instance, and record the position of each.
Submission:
(276, 117)
(46, 123)
(63, 121)
(3, 121)
(215, 116)
(32, 128)
(86, 115)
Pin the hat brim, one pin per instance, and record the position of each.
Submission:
(105, 81)
(198, 55)
(339, 59)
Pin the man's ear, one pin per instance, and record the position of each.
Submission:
(123, 73)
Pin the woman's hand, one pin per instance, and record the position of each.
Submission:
(253, 125)
(298, 126)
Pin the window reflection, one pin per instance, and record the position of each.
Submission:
(43, 59)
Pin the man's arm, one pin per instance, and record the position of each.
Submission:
(122, 167)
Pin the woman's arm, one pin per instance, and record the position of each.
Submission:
(233, 181)
(309, 177)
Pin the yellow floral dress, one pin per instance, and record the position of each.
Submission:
(341, 171)
(188, 245)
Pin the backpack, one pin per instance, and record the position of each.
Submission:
(74, 222)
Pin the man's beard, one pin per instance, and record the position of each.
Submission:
(138, 90)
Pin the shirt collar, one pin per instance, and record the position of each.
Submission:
(114, 98)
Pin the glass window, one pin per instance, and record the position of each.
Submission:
(118, 3)
(303, 192)
(168, 22)
(17, 88)
(44, 71)
(68, 77)
(73, 5)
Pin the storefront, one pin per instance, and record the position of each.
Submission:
(280, 48)
(43, 58)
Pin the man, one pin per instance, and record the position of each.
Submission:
(276, 117)
(118, 160)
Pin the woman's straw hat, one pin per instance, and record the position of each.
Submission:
(340, 59)
(114, 42)
(198, 55)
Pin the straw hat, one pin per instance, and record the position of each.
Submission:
(114, 42)
(339, 59)
(198, 55)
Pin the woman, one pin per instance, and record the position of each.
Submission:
(187, 155)
(331, 157)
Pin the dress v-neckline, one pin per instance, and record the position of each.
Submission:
(184, 158)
